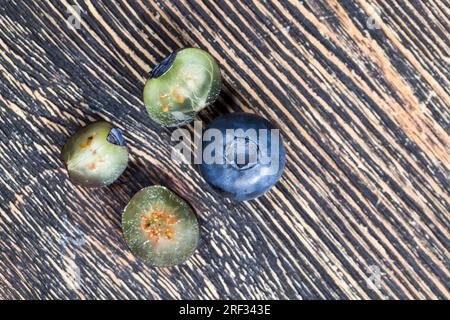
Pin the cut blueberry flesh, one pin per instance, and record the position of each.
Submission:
(96, 155)
(182, 85)
(252, 151)
(159, 227)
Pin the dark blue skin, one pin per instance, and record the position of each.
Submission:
(116, 137)
(165, 65)
(244, 181)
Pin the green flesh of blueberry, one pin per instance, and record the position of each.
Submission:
(181, 85)
(159, 227)
(96, 155)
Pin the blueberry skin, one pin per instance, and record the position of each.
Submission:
(248, 181)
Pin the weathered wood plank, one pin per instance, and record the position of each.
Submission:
(360, 89)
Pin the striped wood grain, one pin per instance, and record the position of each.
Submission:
(360, 89)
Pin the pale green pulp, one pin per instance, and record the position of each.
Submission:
(163, 252)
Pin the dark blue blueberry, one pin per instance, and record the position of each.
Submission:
(165, 65)
(244, 156)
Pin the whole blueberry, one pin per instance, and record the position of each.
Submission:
(243, 155)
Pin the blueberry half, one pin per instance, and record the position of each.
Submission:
(160, 227)
(184, 83)
(243, 155)
(96, 155)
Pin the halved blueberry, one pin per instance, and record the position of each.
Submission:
(96, 155)
(160, 227)
(243, 155)
(181, 85)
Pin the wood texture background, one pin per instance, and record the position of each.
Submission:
(360, 89)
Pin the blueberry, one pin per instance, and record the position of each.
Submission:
(243, 155)
(181, 85)
(159, 227)
(96, 155)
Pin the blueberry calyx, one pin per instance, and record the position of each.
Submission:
(164, 66)
(115, 137)
(242, 153)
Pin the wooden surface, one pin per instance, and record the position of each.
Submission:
(360, 89)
